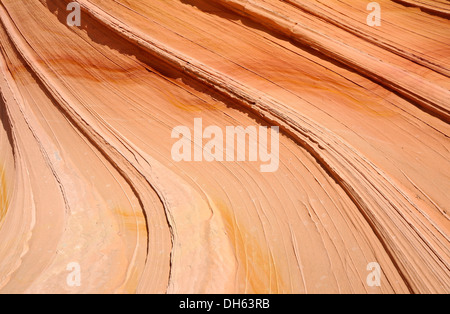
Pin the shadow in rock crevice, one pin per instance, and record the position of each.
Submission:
(103, 35)
(6, 124)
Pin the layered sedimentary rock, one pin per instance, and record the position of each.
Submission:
(87, 172)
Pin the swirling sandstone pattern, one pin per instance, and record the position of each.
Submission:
(87, 177)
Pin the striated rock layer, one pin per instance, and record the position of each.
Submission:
(87, 176)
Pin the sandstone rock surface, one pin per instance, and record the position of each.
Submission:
(86, 168)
